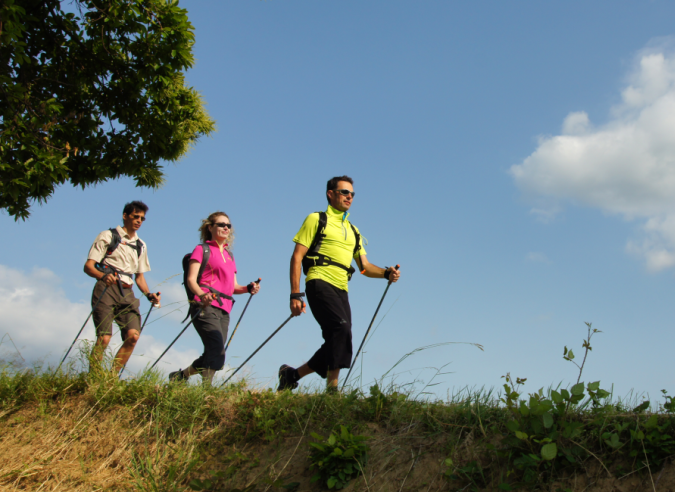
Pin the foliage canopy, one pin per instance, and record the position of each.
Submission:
(93, 95)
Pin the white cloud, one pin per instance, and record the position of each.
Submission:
(624, 167)
(42, 322)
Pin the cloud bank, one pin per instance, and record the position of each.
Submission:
(38, 322)
(625, 166)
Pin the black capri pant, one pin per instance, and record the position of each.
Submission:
(330, 307)
(211, 325)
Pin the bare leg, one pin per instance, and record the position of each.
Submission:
(207, 376)
(125, 350)
(97, 352)
(190, 371)
(332, 378)
(304, 370)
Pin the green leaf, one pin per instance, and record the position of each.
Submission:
(556, 397)
(594, 386)
(331, 440)
(521, 435)
(331, 482)
(577, 389)
(547, 418)
(549, 451)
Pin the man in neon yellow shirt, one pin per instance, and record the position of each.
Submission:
(328, 271)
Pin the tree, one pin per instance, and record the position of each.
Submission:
(93, 95)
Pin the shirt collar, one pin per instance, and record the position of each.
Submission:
(336, 213)
(124, 235)
(211, 242)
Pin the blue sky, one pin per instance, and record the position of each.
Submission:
(515, 159)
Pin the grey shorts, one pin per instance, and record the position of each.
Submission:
(123, 309)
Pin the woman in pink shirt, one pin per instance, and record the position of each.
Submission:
(214, 293)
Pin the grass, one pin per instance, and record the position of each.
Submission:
(92, 432)
(83, 431)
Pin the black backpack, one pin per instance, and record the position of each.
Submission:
(314, 258)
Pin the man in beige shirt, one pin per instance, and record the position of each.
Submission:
(123, 253)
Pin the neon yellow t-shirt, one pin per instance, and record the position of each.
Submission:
(338, 245)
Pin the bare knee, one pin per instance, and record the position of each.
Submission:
(132, 338)
(103, 341)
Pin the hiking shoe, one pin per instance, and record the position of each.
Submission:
(177, 376)
(286, 378)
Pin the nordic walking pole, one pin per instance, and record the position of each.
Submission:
(256, 350)
(367, 331)
(85, 324)
(152, 305)
(241, 316)
(174, 340)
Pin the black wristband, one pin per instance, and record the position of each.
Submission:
(249, 287)
(298, 296)
(387, 272)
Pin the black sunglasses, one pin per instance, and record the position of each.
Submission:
(136, 216)
(346, 193)
(223, 224)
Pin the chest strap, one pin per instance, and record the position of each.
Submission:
(219, 298)
(315, 259)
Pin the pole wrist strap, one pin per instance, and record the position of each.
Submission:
(387, 272)
(298, 296)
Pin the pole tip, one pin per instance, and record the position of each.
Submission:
(398, 266)
(258, 281)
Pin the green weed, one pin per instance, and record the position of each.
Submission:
(339, 458)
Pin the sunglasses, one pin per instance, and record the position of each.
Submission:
(223, 225)
(346, 193)
(136, 216)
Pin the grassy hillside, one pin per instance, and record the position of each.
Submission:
(74, 431)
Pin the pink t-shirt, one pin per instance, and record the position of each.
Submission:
(219, 273)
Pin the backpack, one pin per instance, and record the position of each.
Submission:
(206, 255)
(314, 258)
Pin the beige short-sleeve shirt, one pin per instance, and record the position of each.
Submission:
(125, 258)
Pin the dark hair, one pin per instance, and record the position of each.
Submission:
(333, 182)
(134, 206)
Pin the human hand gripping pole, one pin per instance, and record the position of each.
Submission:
(297, 296)
(242, 314)
(367, 331)
(152, 305)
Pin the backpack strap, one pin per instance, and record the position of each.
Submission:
(357, 247)
(206, 255)
(115, 241)
(314, 258)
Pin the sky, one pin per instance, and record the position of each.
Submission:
(517, 160)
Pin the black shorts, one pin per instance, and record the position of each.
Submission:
(330, 307)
